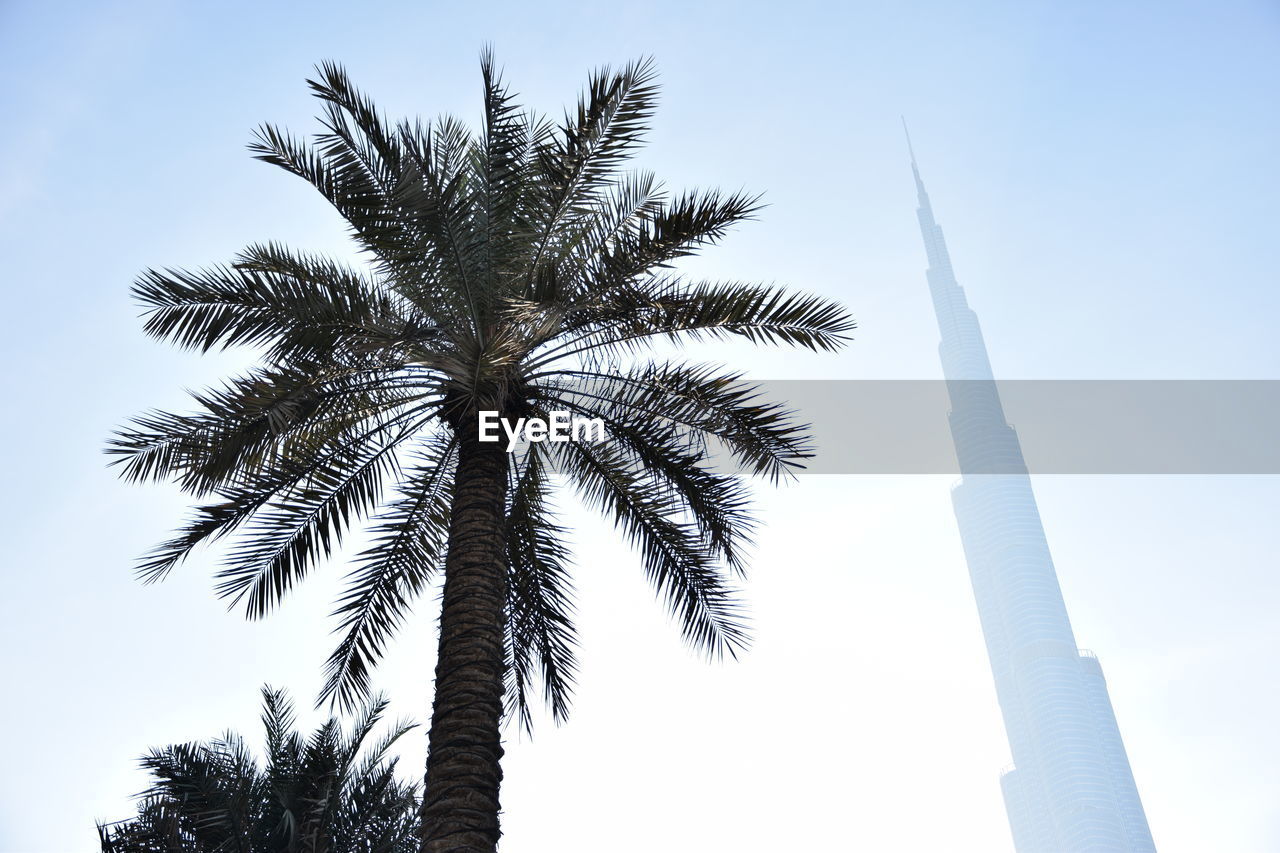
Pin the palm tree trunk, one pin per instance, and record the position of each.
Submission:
(460, 801)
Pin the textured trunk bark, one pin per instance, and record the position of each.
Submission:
(460, 801)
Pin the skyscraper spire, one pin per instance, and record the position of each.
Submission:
(1071, 789)
(921, 196)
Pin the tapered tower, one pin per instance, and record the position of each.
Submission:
(1071, 789)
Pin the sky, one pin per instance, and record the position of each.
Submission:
(1105, 174)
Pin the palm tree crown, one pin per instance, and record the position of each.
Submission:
(525, 269)
(330, 793)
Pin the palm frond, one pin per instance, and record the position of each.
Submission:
(676, 559)
(269, 295)
(674, 461)
(610, 122)
(633, 317)
(541, 636)
(408, 547)
(299, 528)
(253, 480)
(706, 400)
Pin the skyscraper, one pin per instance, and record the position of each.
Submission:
(1070, 789)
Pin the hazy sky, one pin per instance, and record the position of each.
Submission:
(1105, 173)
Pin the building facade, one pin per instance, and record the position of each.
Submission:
(1070, 789)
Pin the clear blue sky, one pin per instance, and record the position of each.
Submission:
(1106, 175)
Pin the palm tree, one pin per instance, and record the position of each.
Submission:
(523, 270)
(323, 794)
